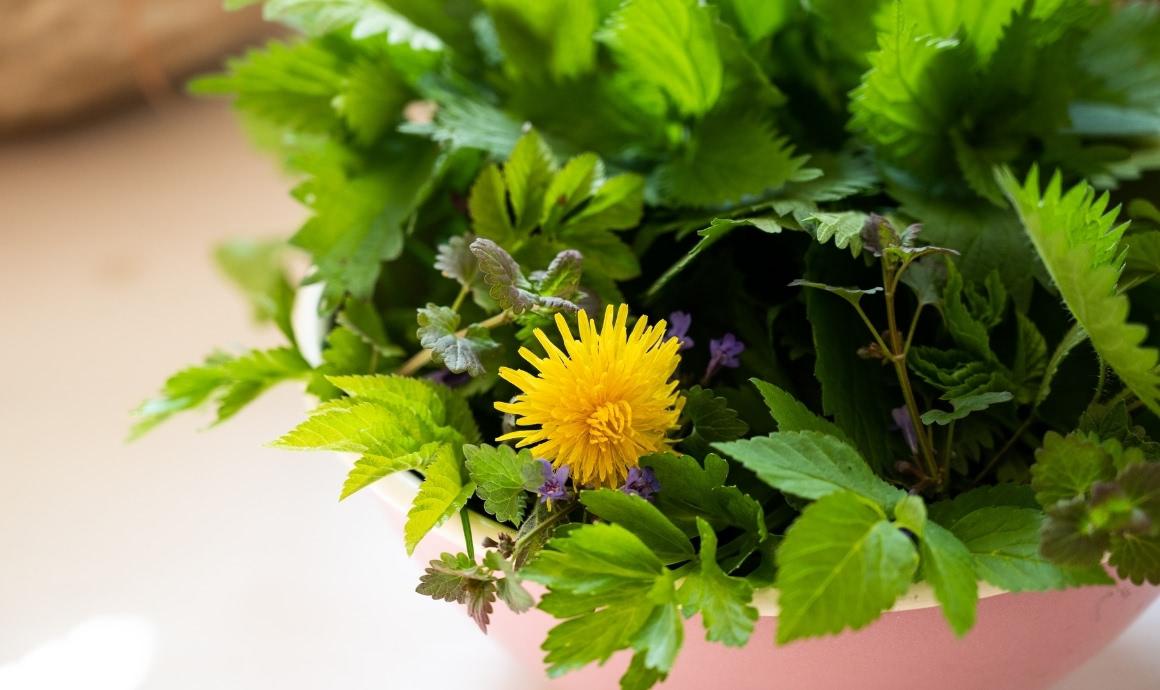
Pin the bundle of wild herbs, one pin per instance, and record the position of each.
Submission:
(702, 297)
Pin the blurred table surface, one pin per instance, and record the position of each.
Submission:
(189, 559)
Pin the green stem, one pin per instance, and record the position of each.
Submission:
(460, 297)
(422, 357)
(465, 517)
(947, 446)
(898, 358)
(912, 329)
(1003, 451)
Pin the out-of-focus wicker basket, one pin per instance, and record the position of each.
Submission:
(62, 59)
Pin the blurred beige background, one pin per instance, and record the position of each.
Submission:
(188, 559)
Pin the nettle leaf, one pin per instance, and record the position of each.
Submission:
(810, 465)
(712, 420)
(949, 568)
(454, 260)
(508, 286)
(234, 380)
(641, 518)
(792, 415)
(457, 578)
(458, 351)
(690, 492)
(670, 44)
(724, 602)
(502, 477)
(1079, 243)
(841, 565)
(395, 423)
(443, 493)
(732, 156)
(963, 406)
(1005, 544)
(614, 594)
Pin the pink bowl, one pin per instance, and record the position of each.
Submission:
(1022, 641)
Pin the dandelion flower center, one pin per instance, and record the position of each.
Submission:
(598, 405)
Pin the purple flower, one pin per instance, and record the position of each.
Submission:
(641, 481)
(679, 322)
(723, 353)
(905, 424)
(449, 378)
(555, 480)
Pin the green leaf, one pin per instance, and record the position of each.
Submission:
(947, 513)
(1005, 544)
(444, 491)
(810, 465)
(1031, 359)
(852, 295)
(841, 565)
(615, 593)
(502, 478)
(259, 271)
(642, 519)
(372, 98)
(712, 420)
(732, 155)
(527, 174)
(1073, 338)
(562, 277)
(910, 512)
(948, 566)
(509, 588)
(235, 380)
(690, 491)
(1079, 243)
(792, 415)
(982, 24)
(604, 253)
(617, 204)
(458, 352)
(724, 602)
(966, 405)
(553, 37)
(488, 207)
(1068, 466)
(363, 320)
(670, 44)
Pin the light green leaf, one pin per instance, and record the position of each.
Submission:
(840, 566)
(258, 269)
(792, 415)
(617, 205)
(672, 44)
(852, 295)
(527, 173)
(552, 36)
(811, 465)
(642, 519)
(488, 206)
(724, 602)
(1067, 466)
(502, 478)
(732, 156)
(948, 567)
(1079, 243)
(444, 491)
(910, 512)
(690, 491)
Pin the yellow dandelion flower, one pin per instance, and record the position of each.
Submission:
(601, 405)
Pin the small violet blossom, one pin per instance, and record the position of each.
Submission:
(555, 480)
(723, 353)
(906, 425)
(449, 378)
(679, 322)
(641, 481)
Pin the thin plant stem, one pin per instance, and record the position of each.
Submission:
(465, 517)
(460, 297)
(1003, 451)
(422, 357)
(948, 445)
(913, 327)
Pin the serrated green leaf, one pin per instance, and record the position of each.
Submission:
(712, 420)
(948, 567)
(642, 519)
(574, 183)
(724, 602)
(671, 44)
(1078, 241)
(810, 465)
(488, 206)
(444, 491)
(732, 156)
(690, 491)
(617, 205)
(527, 173)
(1068, 466)
(458, 579)
(550, 38)
(501, 478)
(506, 282)
(841, 565)
(372, 98)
